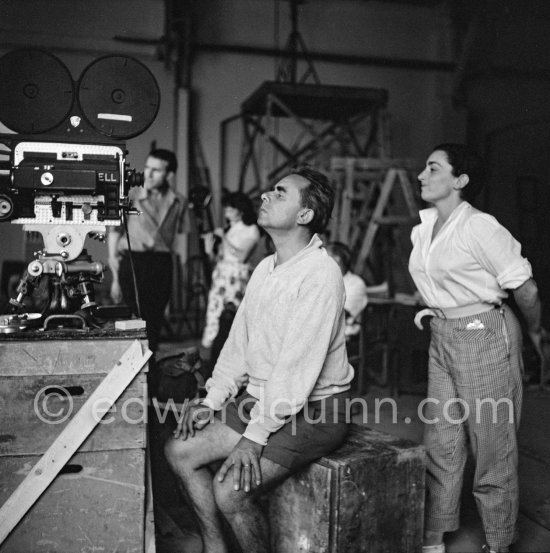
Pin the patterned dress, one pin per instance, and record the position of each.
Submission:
(230, 276)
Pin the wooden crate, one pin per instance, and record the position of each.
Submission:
(98, 507)
(368, 497)
(27, 429)
(98, 501)
(29, 370)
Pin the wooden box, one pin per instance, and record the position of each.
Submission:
(98, 501)
(368, 497)
(44, 383)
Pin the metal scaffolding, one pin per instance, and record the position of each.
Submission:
(284, 124)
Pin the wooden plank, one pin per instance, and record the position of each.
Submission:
(149, 542)
(407, 189)
(35, 409)
(31, 358)
(70, 438)
(385, 192)
(369, 188)
(98, 508)
(337, 182)
(347, 195)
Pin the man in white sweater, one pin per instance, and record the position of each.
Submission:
(284, 370)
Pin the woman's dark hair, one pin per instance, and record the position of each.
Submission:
(241, 202)
(343, 252)
(465, 161)
(318, 196)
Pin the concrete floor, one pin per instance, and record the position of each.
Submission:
(534, 471)
(176, 530)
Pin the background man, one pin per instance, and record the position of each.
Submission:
(154, 237)
(287, 346)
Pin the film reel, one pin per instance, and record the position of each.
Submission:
(36, 91)
(118, 96)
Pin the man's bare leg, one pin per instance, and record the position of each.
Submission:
(241, 509)
(189, 460)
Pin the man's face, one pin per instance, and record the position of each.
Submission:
(155, 173)
(281, 207)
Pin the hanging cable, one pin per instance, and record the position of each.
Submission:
(134, 279)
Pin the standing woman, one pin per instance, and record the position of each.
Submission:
(232, 270)
(463, 262)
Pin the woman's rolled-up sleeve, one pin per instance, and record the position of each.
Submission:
(498, 252)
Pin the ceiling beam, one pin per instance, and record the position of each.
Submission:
(374, 61)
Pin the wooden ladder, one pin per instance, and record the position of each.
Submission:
(366, 192)
(379, 216)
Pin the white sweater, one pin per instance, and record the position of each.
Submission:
(287, 341)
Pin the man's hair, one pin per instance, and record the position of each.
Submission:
(342, 251)
(465, 161)
(317, 196)
(168, 156)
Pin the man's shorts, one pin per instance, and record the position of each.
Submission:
(319, 428)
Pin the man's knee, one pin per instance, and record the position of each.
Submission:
(178, 452)
(227, 498)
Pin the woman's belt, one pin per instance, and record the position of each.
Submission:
(453, 312)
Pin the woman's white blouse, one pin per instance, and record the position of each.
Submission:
(472, 259)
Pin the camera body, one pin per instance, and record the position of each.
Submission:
(66, 175)
(65, 182)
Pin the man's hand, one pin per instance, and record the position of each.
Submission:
(245, 460)
(196, 416)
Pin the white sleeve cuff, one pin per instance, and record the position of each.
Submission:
(515, 276)
(256, 433)
(214, 399)
(209, 403)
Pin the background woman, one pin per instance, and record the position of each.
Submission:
(462, 262)
(232, 270)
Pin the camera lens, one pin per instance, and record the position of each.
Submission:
(133, 178)
(6, 207)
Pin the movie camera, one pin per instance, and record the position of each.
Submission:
(66, 175)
